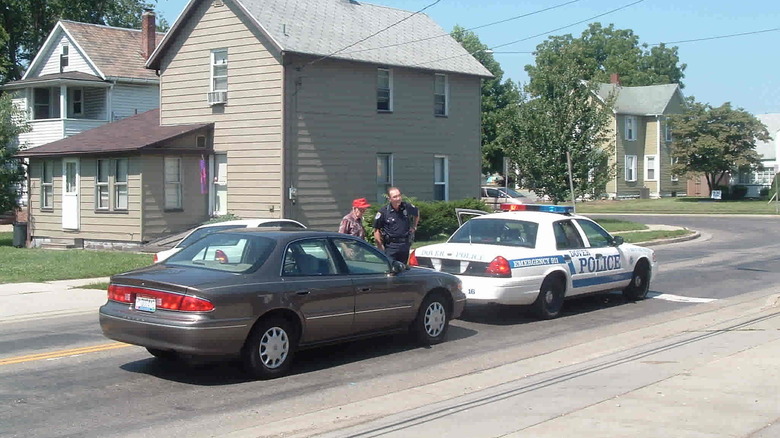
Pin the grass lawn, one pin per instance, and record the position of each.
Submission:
(35, 265)
(677, 206)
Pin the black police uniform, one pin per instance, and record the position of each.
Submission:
(395, 227)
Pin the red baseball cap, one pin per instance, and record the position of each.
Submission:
(360, 203)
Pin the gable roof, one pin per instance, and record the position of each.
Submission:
(112, 51)
(641, 101)
(137, 133)
(322, 27)
(769, 149)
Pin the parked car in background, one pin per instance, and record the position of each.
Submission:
(264, 294)
(493, 197)
(207, 229)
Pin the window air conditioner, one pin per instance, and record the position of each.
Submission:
(217, 97)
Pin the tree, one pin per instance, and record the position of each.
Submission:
(562, 116)
(27, 23)
(602, 51)
(499, 101)
(715, 141)
(12, 123)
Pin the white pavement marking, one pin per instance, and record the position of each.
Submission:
(680, 298)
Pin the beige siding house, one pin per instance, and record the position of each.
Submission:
(642, 139)
(310, 110)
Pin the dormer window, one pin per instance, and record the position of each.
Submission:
(64, 50)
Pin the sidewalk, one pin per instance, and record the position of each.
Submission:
(20, 301)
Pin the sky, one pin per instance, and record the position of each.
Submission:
(742, 69)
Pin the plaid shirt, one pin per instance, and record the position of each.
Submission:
(351, 225)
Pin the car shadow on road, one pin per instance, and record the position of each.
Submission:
(229, 371)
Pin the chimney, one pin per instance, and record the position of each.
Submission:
(148, 33)
(614, 78)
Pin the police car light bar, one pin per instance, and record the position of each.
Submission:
(562, 209)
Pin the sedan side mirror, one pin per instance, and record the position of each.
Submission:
(617, 240)
(397, 267)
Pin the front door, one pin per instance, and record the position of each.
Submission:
(220, 184)
(70, 194)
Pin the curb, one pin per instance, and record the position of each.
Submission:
(692, 236)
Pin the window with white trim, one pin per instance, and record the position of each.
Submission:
(41, 103)
(120, 184)
(630, 128)
(219, 70)
(384, 176)
(667, 132)
(440, 178)
(651, 170)
(76, 101)
(674, 160)
(102, 201)
(47, 184)
(384, 89)
(172, 179)
(64, 50)
(440, 92)
(630, 170)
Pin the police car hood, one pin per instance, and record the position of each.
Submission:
(472, 251)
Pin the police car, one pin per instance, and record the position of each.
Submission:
(538, 255)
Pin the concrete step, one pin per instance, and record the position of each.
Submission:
(63, 243)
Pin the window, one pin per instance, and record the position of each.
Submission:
(41, 103)
(219, 70)
(384, 175)
(76, 101)
(361, 258)
(597, 236)
(630, 168)
(172, 183)
(650, 167)
(566, 235)
(120, 184)
(674, 161)
(308, 257)
(667, 132)
(101, 185)
(440, 177)
(440, 89)
(630, 128)
(47, 186)
(384, 89)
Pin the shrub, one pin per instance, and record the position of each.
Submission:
(738, 192)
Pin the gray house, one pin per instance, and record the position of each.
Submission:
(769, 151)
(307, 104)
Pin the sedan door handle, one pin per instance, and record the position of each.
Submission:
(364, 289)
(303, 292)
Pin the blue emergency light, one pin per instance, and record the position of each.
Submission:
(562, 209)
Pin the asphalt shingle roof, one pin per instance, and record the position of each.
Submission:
(132, 134)
(322, 27)
(646, 100)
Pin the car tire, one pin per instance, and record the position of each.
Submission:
(165, 355)
(640, 283)
(269, 349)
(433, 319)
(550, 300)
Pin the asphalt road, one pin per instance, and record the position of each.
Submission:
(83, 385)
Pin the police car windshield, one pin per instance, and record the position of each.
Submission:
(497, 232)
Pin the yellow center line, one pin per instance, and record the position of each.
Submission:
(63, 353)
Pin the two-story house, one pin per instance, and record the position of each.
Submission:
(287, 108)
(757, 180)
(642, 139)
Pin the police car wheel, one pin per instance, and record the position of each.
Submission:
(432, 320)
(640, 283)
(550, 300)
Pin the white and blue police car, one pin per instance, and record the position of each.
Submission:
(538, 255)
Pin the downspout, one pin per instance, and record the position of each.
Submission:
(658, 155)
(28, 238)
(109, 99)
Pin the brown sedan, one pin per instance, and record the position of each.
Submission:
(264, 294)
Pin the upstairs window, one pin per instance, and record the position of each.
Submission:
(667, 133)
(219, 70)
(64, 50)
(77, 101)
(384, 89)
(630, 168)
(41, 103)
(440, 91)
(630, 128)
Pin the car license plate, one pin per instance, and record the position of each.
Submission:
(147, 304)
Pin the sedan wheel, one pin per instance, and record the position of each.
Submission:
(269, 349)
(432, 320)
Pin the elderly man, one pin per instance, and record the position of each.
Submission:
(394, 226)
(351, 223)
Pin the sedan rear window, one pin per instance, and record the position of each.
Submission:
(205, 231)
(497, 232)
(225, 252)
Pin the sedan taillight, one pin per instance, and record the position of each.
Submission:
(499, 267)
(165, 300)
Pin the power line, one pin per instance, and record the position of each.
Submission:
(720, 36)
(534, 36)
(469, 29)
(372, 35)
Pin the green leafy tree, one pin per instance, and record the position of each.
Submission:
(562, 116)
(715, 140)
(499, 101)
(602, 51)
(12, 123)
(27, 23)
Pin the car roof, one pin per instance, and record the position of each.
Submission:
(249, 222)
(531, 216)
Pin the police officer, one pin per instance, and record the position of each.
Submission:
(394, 226)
